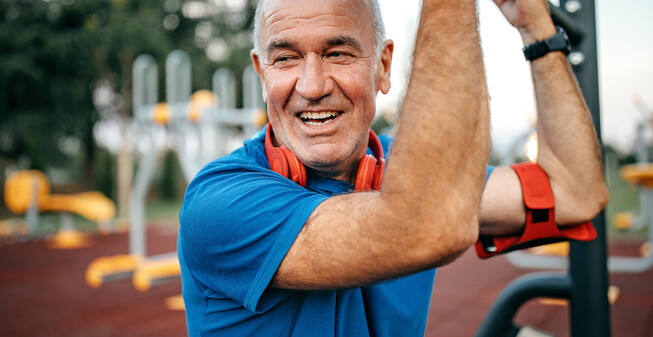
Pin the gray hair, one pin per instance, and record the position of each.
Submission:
(377, 22)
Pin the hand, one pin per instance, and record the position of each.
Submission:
(530, 17)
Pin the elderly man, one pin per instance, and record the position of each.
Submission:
(273, 242)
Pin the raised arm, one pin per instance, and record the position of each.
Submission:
(426, 212)
(568, 147)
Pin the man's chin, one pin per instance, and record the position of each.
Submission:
(322, 163)
(332, 159)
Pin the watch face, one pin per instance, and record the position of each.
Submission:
(566, 37)
(558, 42)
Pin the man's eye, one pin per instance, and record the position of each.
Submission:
(336, 54)
(282, 59)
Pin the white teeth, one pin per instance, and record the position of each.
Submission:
(318, 115)
(318, 123)
(318, 118)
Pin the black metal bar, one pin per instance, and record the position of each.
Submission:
(498, 321)
(574, 29)
(590, 309)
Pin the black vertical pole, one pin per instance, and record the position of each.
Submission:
(590, 309)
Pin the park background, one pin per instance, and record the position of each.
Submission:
(65, 92)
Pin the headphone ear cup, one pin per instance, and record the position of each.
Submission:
(378, 175)
(297, 170)
(278, 162)
(276, 157)
(365, 174)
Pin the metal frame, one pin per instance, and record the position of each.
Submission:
(211, 131)
(198, 140)
(585, 285)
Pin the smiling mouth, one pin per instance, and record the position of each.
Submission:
(318, 118)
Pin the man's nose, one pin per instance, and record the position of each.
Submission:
(313, 83)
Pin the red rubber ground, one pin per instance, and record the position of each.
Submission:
(42, 293)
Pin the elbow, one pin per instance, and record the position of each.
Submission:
(593, 202)
(459, 245)
(469, 237)
(450, 244)
(600, 200)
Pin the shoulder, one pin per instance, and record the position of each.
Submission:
(238, 188)
(243, 174)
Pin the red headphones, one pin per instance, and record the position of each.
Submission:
(368, 177)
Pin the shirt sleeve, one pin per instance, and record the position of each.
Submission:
(237, 224)
(490, 168)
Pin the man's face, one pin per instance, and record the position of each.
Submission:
(320, 79)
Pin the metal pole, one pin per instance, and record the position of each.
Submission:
(498, 322)
(145, 78)
(252, 89)
(252, 98)
(224, 87)
(178, 77)
(589, 309)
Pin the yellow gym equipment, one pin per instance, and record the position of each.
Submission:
(175, 303)
(28, 192)
(156, 270)
(109, 268)
(638, 174)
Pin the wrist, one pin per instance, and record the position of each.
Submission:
(537, 32)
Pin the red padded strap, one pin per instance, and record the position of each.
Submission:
(539, 201)
(535, 186)
(540, 225)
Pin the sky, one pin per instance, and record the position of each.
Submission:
(625, 51)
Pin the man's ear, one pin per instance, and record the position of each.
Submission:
(256, 61)
(385, 63)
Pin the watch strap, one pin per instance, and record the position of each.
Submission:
(557, 42)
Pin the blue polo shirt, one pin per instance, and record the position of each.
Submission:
(238, 221)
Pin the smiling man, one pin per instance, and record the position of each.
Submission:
(274, 243)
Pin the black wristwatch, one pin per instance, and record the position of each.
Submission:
(559, 41)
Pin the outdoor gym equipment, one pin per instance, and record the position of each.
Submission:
(201, 125)
(28, 192)
(640, 175)
(585, 284)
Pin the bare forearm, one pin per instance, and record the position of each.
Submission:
(568, 153)
(568, 147)
(442, 143)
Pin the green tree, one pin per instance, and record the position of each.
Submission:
(56, 54)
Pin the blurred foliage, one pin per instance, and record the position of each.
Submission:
(55, 54)
(622, 158)
(105, 173)
(169, 182)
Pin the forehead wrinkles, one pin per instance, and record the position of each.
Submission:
(306, 18)
(278, 23)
